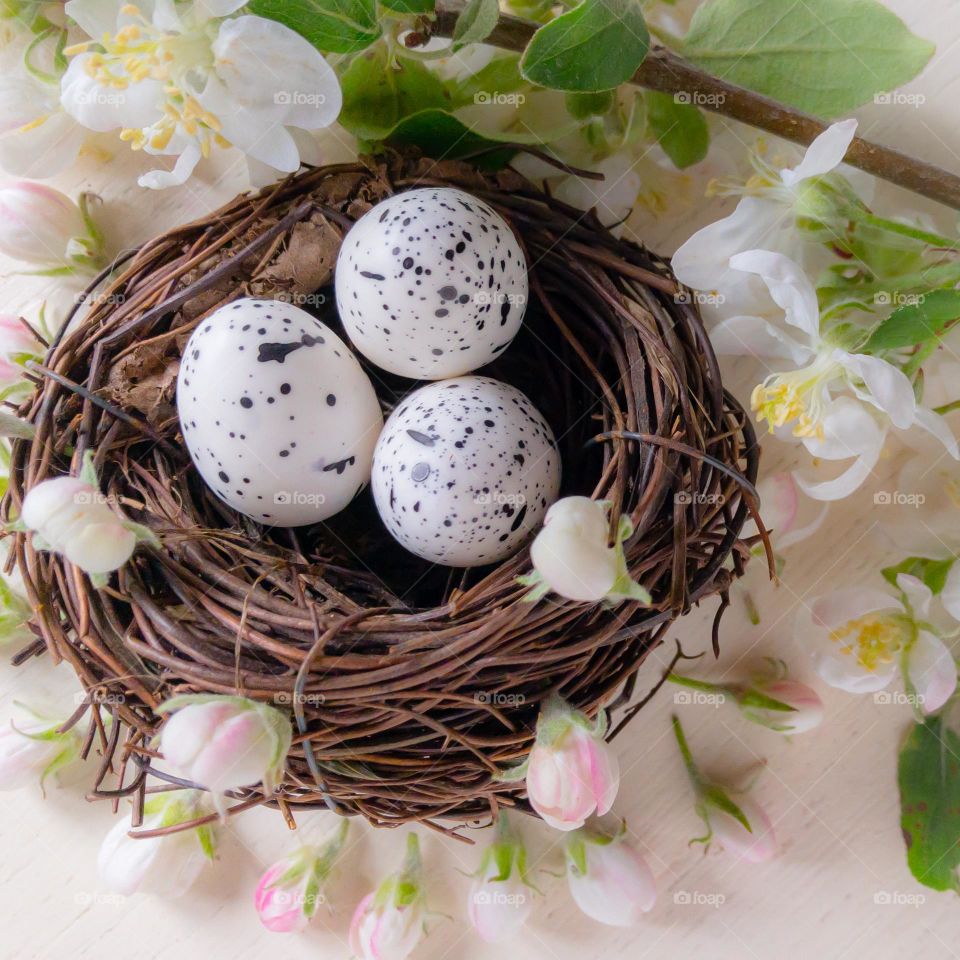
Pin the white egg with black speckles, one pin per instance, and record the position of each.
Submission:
(431, 283)
(278, 415)
(464, 471)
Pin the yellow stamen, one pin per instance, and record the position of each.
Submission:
(874, 640)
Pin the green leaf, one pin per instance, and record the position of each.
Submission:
(913, 323)
(596, 46)
(586, 105)
(679, 128)
(500, 76)
(929, 777)
(334, 26)
(476, 22)
(442, 136)
(377, 95)
(823, 56)
(932, 572)
(409, 6)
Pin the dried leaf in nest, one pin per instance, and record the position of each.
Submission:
(145, 380)
(305, 264)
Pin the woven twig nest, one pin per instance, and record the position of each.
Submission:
(410, 686)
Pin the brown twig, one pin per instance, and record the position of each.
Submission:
(666, 72)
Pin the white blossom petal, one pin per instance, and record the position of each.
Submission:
(835, 609)
(918, 594)
(101, 108)
(755, 337)
(889, 388)
(95, 17)
(938, 427)
(789, 287)
(826, 153)
(160, 179)
(932, 671)
(950, 595)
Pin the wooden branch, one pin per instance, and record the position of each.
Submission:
(664, 71)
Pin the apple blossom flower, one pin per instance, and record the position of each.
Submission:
(290, 890)
(772, 701)
(608, 879)
(571, 772)
(165, 866)
(69, 515)
(572, 556)
(740, 826)
(766, 217)
(191, 77)
(803, 400)
(33, 748)
(500, 899)
(860, 638)
(223, 743)
(388, 923)
(43, 226)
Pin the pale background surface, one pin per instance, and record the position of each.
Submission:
(831, 793)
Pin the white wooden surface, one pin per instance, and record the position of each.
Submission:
(840, 887)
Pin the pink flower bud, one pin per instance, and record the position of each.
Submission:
(754, 845)
(500, 898)
(806, 712)
(610, 882)
(31, 749)
(388, 923)
(16, 342)
(165, 866)
(37, 224)
(222, 742)
(72, 517)
(291, 889)
(572, 773)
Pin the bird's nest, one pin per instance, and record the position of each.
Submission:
(409, 686)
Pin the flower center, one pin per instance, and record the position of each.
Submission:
(874, 640)
(141, 51)
(797, 397)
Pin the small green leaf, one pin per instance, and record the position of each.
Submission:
(500, 76)
(932, 572)
(595, 46)
(441, 135)
(913, 323)
(586, 105)
(377, 95)
(929, 777)
(679, 128)
(476, 22)
(334, 26)
(823, 56)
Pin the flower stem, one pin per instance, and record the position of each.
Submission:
(692, 771)
(905, 230)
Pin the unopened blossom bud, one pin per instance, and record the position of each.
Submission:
(572, 773)
(388, 923)
(42, 226)
(290, 890)
(500, 897)
(17, 345)
(572, 556)
(31, 749)
(739, 825)
(165, 866)
(609, 881)
(224, 742)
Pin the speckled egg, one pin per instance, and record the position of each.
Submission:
(277, 413)
(431, 284)
(464, 471)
